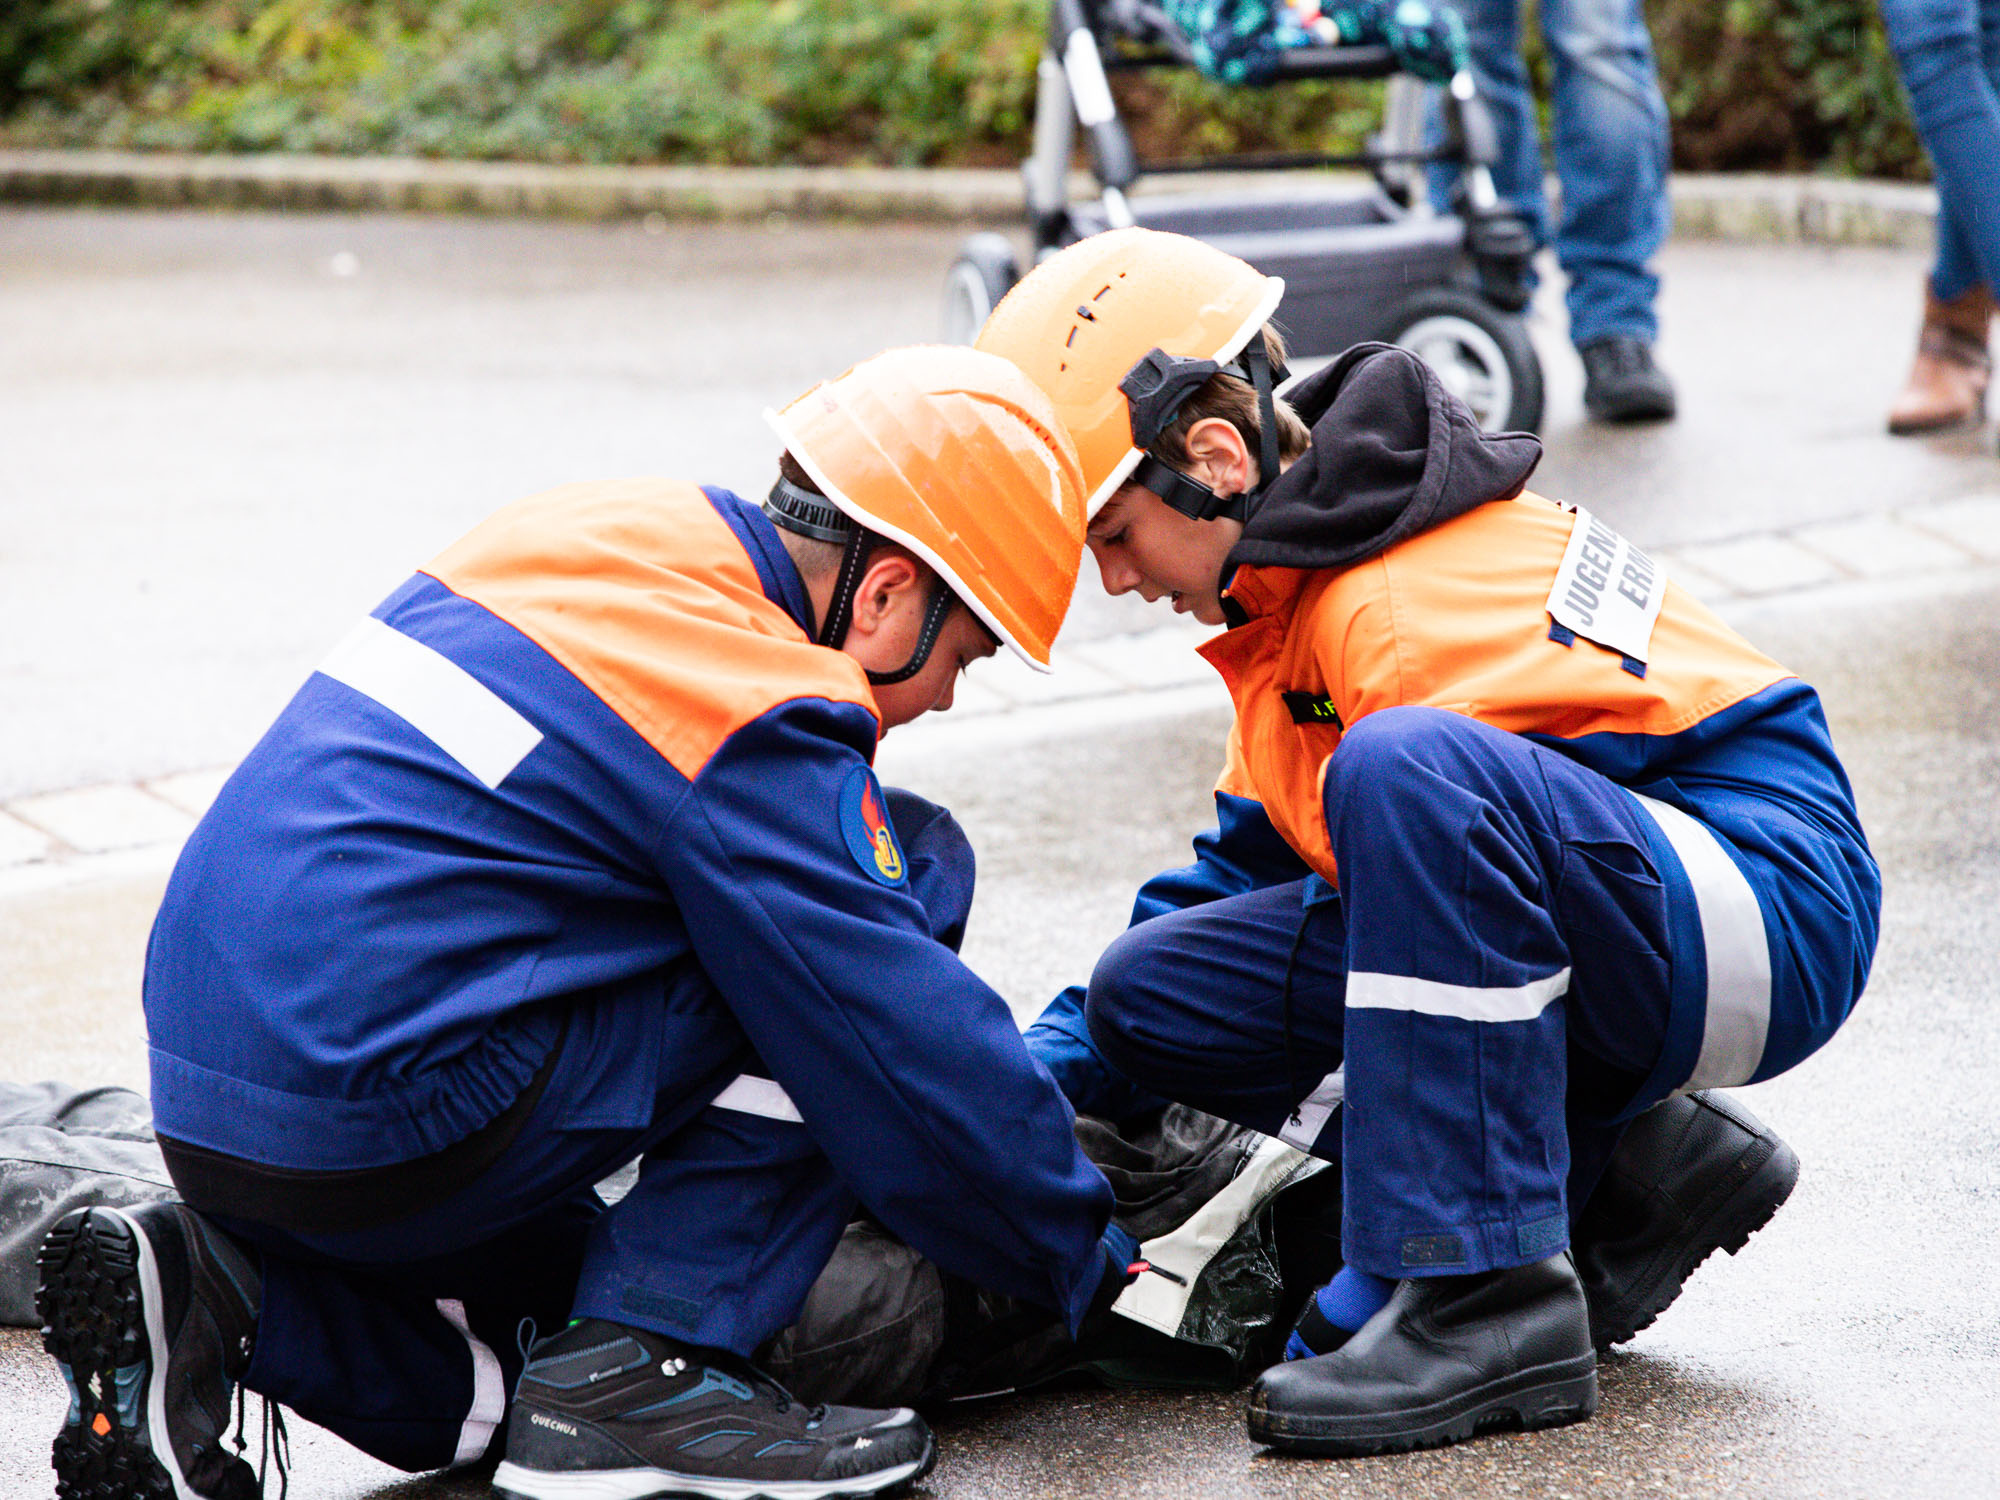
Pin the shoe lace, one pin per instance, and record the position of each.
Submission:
(276, 1443)
(524, 1340)
(784, 1399)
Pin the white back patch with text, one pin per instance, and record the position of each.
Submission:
(1607, 590)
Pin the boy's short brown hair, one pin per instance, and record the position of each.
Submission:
(1234, 399)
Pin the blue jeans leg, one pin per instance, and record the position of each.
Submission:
(1949, 55)
(1611, 153)
(1610, 144)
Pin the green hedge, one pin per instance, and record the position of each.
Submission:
(1753, 84)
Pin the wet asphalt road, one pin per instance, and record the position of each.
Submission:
(226, 436)
(219, 451)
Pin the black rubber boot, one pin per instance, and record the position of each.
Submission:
(1693, 1175)
(615, 1413)
(1449, 1357)
(151, 1313)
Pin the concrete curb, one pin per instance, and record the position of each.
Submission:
(168, 179)
(55, 836)
(1747, 208)
(1804, 210)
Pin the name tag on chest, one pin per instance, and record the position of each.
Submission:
(1607, 591)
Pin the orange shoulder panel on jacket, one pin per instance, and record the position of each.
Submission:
(1456, 617)
(642, 591)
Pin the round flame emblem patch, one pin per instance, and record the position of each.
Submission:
(864, 824)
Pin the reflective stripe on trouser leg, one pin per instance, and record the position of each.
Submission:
(394, 1358)
(1737, 1015)
(1455, 1142)
(1232, 1006)
(489, 1388)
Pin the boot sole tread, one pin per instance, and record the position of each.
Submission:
(93, 1324)
(1551, 1396)
(1724, 1221)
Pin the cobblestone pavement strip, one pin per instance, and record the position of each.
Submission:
(59, 827)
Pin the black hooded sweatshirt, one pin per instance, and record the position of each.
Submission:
(1393, 454)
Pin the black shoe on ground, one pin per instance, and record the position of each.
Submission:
(1622, 384)
(1693, 1175)
(1447, 1358)
(151, 1313)
(614, 1413)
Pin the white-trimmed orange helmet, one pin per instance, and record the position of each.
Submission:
(1081, 321)
(958, 456)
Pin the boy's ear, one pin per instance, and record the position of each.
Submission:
(888, 583)
(1218, 456)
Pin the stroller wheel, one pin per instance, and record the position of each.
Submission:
(984, 272)
(1483, 355)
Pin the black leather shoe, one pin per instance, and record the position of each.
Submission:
(1622, 384)
(1692, 1175)
(1449, 1357)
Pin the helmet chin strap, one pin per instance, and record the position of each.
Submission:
(812, 515)
(937, 609)
(1154, 382)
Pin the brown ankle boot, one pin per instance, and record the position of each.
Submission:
(1947, 383)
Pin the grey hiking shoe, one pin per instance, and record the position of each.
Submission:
(150, 1313)
(605, 1412)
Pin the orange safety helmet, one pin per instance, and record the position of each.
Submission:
(1085, 318)
(958, 456)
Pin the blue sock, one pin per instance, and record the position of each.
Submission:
(1338, 1309)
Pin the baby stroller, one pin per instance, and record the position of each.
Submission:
(1359, 261)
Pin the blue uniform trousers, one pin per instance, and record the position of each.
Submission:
(1482, 998)
(406, 1339)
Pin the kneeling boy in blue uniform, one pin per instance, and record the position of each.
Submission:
(1517, 842)
(572, 854)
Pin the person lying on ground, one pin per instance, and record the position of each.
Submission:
(1518, 842)
(571, 854)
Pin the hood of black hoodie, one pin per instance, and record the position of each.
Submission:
(1393, 453)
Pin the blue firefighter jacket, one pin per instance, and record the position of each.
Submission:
(589, 763)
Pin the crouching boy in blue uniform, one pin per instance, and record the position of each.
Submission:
(571, 854)
(1519, 847)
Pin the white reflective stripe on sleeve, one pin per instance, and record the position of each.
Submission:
(1428, 997)
(489, 1389)
(1310, 1118)
(1737, 1015)
(758, 1096)
(436, 696)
